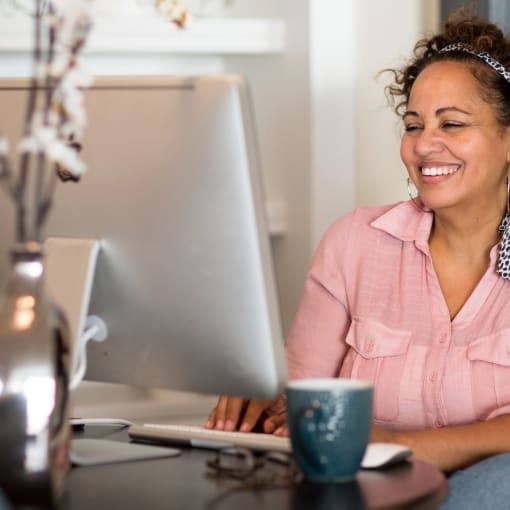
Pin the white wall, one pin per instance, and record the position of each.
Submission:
(281, 94)
(384, 39)
(332, 103)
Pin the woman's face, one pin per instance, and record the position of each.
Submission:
(455, 151)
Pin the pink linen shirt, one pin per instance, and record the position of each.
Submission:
(372, 309)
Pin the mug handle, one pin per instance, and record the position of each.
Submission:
(307, 417)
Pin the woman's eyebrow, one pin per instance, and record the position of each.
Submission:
(451, 109)
(439, 111)
(409, 113)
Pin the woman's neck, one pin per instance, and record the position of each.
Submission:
(460, 246)
(470, 235)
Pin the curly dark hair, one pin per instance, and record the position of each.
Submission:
(475, 33)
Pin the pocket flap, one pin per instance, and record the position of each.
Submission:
(372, 339)
(493, 348)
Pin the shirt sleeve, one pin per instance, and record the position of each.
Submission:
(500, 411)
(316, 344)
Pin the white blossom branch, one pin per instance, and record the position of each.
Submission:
(55, 114)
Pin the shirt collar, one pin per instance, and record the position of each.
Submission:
(407, 223)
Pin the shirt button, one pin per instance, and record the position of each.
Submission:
(433, 376)
(443, 339)
(370, 346)
(439, 423)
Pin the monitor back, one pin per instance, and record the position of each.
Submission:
(184, 280)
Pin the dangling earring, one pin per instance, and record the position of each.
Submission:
(504, 249)
(416, 203)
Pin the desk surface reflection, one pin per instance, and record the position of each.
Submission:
(181, 483)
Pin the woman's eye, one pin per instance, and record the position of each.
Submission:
(409, 128)
(451, 125)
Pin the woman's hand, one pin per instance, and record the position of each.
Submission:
(417, 441)
(233, 413)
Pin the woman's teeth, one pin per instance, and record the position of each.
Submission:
(446, 170)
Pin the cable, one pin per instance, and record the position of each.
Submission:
(95, 329)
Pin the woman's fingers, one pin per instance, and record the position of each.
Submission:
(232, 413)
(276, 424)
(225, 411)
(252, 414)
(211, 419)
(282, 431)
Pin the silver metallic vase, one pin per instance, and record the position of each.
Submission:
(34, 390)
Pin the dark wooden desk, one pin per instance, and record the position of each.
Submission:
(180, 483)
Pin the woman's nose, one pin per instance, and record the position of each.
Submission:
(428, 141)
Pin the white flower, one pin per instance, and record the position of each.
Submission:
(44, 139)
(66, 156)
(56, 112)
(60, 64)
(53, 119)
(173, 11)
(73, 25)
(69, 131)
(39, 138)
(79, 76)
(45, 135)
(71, 100)
(28, 144)
(4, 146)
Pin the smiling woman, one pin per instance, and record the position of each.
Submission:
(415, 296)
(455, 150)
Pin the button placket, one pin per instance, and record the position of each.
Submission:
(435, 364)
(444, 343)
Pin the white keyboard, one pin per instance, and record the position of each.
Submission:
(377, 455)
(200, 437)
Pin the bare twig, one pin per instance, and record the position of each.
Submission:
(6, 176)
(21, 188)
(49, 86)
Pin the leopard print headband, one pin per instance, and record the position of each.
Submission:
(486, 57)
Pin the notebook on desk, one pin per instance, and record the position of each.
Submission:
(377, 455)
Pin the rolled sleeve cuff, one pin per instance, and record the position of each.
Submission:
(500, 411)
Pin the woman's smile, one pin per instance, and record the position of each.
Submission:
(438, 170)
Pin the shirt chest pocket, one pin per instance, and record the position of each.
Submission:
(489, 359)
(378, 354)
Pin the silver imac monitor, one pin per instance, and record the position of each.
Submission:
(184, 278)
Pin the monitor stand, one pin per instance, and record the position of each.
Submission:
(70, 265)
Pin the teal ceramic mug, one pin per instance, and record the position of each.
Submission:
(329, 424)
